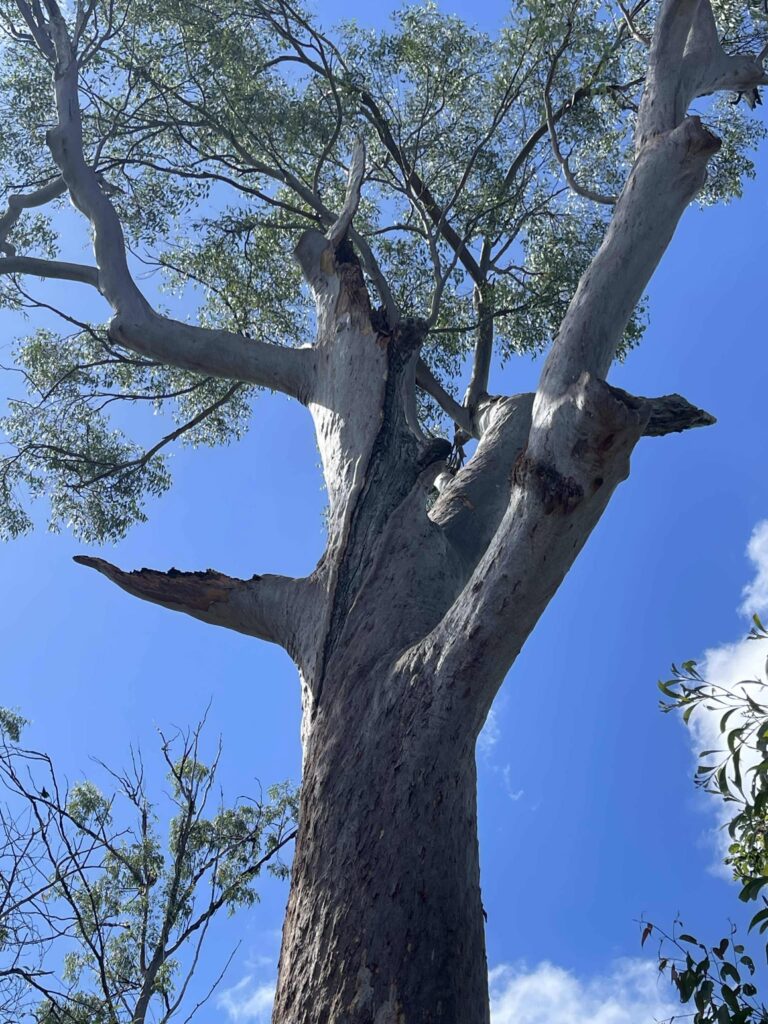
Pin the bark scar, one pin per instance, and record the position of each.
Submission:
(554, 490)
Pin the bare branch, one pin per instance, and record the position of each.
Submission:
(574, 185)
(135, 324)
(427, 381)
(337, 232)
(37, 27)
(418, 188)
(54, 269)
(629, 21)
(667, 173)
(17, 203)
(483, 300)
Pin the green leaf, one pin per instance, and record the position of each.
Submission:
(727, 970)
(730, 998)
(726, 716)
(752, 889)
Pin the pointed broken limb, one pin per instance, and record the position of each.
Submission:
(273, 608)
(670, 414)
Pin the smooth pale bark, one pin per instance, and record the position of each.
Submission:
(409, 623)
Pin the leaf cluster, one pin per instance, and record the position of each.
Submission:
(222, 131)
(719, 980)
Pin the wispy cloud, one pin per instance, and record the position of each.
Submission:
(512, 792)
(755, 593)
(490, 734)
(631, 993)
(487, 742)
(728, 666)
(248, 1001)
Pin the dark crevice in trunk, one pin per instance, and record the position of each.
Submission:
(396, 461)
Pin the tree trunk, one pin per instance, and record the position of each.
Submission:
(385, 921)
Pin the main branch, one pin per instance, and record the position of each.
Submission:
(135, 324)
(582, 430)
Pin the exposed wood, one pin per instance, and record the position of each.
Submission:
(275, 608)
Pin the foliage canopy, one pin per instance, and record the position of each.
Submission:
(222, 131)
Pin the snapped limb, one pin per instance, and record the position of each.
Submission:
(273, 608)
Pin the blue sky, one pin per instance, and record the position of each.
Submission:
(588, 815)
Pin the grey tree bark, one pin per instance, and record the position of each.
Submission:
(406, 628)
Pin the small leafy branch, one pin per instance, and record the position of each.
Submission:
(104, 910)
(737, 772)
(717, 979)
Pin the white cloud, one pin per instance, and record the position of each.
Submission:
(489, 735)
(632, 993)
(248, 1001)
(755, 593)
(728, 666)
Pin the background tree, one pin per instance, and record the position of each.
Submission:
(516, 194)
(103, 917)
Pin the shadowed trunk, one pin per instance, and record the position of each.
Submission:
(385, 921)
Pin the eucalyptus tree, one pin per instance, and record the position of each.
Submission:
(354, 216)
(108, 893)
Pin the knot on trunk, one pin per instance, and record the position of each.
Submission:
(407, 336)
(699, 140)
(555, 491)
(437, 449)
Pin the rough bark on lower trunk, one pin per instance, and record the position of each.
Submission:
(385, 921)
